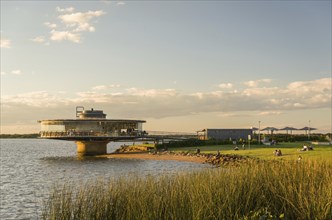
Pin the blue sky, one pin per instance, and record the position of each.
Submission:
(180, 65)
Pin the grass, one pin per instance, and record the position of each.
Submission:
(290, 151)
(259, 190)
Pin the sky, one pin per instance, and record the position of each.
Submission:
(180, 65)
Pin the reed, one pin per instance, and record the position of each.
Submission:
(260, 190)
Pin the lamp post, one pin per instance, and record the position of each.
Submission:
(309, 131)
(259, 132)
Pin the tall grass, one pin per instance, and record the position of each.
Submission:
(261, 190)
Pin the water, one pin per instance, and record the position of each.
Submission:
(30, 167)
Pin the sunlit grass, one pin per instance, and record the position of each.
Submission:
(293, 190)
(290, 151)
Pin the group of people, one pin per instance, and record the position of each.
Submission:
(307, 148)
(277, 152)
(237, 148)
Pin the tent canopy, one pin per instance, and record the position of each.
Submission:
(288, 129)
(307, 128)
(270, 129)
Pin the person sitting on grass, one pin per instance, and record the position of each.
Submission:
(277, 152)
(299, 158)
(305, 148)
(310, 147)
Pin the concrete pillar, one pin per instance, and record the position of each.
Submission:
(90, 148)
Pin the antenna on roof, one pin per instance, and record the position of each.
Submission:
(79, 110)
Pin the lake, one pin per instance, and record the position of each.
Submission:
(30, 168)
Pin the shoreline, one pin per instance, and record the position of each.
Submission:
(213, 159)
(148, 156)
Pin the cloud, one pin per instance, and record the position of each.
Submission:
(232, 114)
(48, 24)
(65, 35)
(16, 72)
(70, 9)
(255, 83)
(270, 113)
(33, 99)
(120, 3)
(5, 43)
(226, 85)
(162, 103)
(105, 87)
(79, 21)
(13, 72)
(39, 39)
(70, 25)
(151, 92)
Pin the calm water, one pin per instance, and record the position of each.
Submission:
(30, 167)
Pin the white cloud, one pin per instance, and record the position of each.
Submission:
(5, 43)
(65, 35)
(13, 72)
(48, 24)
(120, 3)
(228, 114)
(161, 103)
(105, 87)
(255, 83)
(35, 99)
(71, 25)
(80, 20)
(39, 39)
(151, 92)
(101, 87)
(70, 9)
(265, 91)
(16, 72)
(270, 113)
(226, 85)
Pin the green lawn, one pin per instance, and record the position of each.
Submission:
(290, 151)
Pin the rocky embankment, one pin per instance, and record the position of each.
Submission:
(218, 159)
(214, 159)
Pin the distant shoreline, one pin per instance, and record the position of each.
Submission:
(8, 136)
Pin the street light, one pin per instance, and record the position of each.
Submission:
(309, 131)
(259, 132)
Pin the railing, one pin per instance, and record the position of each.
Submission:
(171, 133)
(72, 134)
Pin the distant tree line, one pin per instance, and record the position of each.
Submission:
(34, 135)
